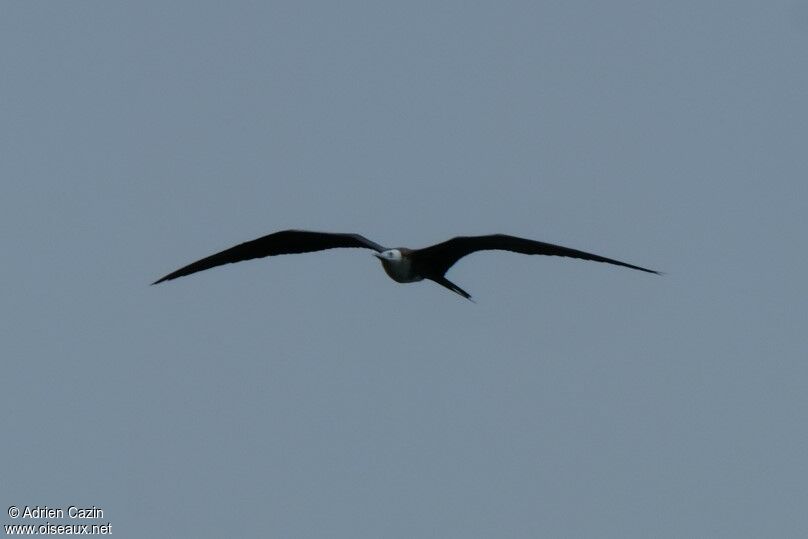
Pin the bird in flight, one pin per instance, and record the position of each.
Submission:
(401, 264)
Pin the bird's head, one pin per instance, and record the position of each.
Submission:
(392, 255)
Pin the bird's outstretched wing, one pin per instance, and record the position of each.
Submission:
(442, 256)
(284, 242)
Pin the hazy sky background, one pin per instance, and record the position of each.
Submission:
(310, 396)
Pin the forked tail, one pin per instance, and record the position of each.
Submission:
(443, 281)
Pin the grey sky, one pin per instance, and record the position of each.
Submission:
(310, 396)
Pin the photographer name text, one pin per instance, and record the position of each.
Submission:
(39, 512)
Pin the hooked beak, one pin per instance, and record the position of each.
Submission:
(377, 255)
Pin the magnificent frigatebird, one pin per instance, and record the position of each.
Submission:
(401, 264)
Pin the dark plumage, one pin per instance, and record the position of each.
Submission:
(285, 242)
(402, 265)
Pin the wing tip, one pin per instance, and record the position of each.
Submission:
(163, 279)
